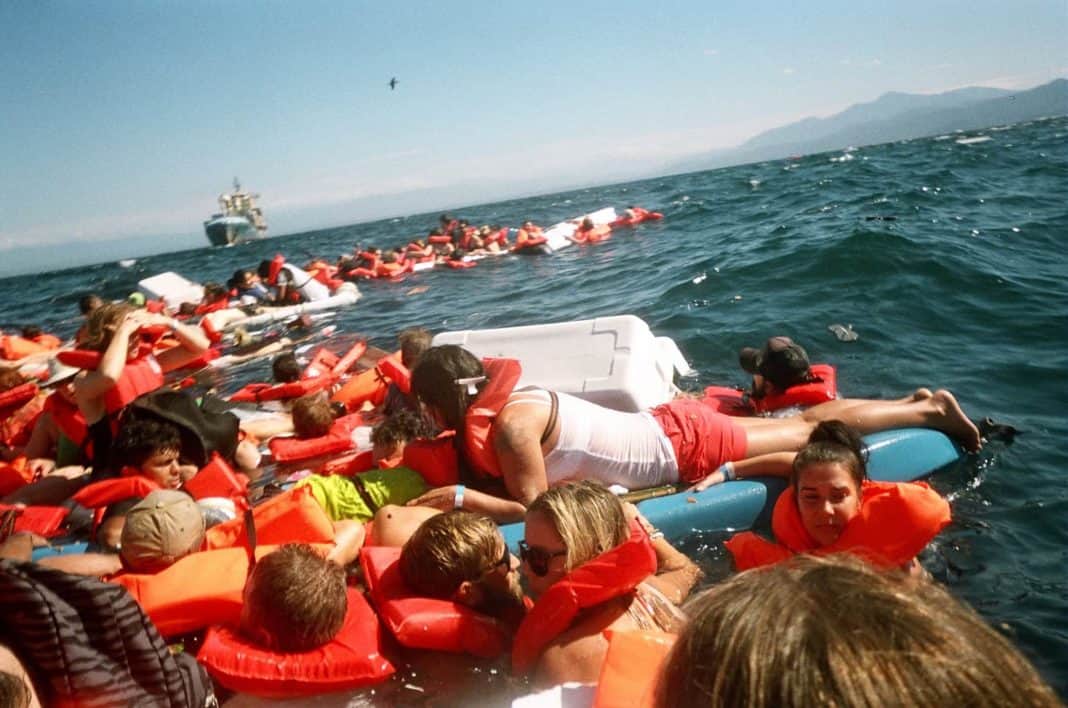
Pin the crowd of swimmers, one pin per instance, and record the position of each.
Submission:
(835, 609)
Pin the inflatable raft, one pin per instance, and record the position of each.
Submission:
(347, 294)
(558, 236)
(903, 455)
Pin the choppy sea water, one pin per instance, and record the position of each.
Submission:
(947, 258)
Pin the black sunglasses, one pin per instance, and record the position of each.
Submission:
(537, 559)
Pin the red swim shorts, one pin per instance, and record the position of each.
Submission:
(703, 439)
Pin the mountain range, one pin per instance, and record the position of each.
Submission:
(892, 116)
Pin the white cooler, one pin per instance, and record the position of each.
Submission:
(613, 361)
(173, 288)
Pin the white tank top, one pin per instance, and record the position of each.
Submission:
(613, 447)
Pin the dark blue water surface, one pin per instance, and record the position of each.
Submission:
(948, 259)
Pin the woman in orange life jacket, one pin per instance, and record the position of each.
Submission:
(113, 330)
(535, 444)
(830, 506)
(570, 525)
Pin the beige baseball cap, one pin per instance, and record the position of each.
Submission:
(160, 529)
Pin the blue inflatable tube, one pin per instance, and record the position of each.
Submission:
(903, 455)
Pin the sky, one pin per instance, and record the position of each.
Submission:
(128, 117)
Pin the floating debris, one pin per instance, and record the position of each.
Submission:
(844, 333)
(127, 262)
(700, 279)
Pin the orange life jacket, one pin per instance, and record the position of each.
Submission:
(352, 659)
(398, 373)
(139, 376)
(808, 394)
(17, 396)
(217, 479)
(459, 265)
(338, 439)
(613, 573)
(41, 520)
(13, 347)
(18, 426)
(258, 392)
(501, 378)
(370, 385)
(631, 668)
(895, 522)
(425, 622)
(290, 517)
(14, 474)
(67, 418)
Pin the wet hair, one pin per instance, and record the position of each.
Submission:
(312, 416)
(588, 517)
(214, 291)
(448, 549)
(401, 427)
(140, 439)
(102, 323)
(10, 378)
(844, 635)
(88, 303)
(297, 597)
(187, 308)
(413, 342)
(285, 368)
(264, 269)
(833, 442)
(31, 331)
(14, 693)
(239, 276)
(434, 381)
(587, 223)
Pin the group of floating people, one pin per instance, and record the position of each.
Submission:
(377, 526)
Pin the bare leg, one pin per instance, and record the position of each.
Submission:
(940, 411)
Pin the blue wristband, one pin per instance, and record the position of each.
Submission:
(458, 500)
(728, 472)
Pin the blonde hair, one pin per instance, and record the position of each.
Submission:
(833, 631)
(102, 323)
(448, 549)
(588, 517)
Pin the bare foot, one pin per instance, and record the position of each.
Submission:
(922, 394)
(953, 421)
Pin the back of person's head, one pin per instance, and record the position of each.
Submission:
(10, 378)
(214, 291)
(400, 427)
(187, 309)
(448, 549)
(457, 234)
(588, 517)
(833, 442)
(434, 381)
(88, 303)
(264, 269)
(14, 693)
(31, 331)
(389, 257)
(833, 631)
(413, 342)
(102, 323)
(295, 599)
(458, 254)
(141, 438)
(285, 368)
(312, 416)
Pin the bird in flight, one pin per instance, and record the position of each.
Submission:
(393, 83)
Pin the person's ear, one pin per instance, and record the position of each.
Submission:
(468, 593)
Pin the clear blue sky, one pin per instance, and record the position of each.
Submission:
(129, 116)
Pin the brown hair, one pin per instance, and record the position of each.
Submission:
(312, 416)
(297, 598)
(101, 324)
(448, 549)
(832, 441)
(413, 341)
(10, 378)
(588, 517)
(833, 631)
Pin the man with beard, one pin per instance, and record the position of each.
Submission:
(461, 556)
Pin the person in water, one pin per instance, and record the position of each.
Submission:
(413, 342)
(540, 438)
(834, 631)
(780, 364)
(295, 600)
(570, 525)
(831, 506)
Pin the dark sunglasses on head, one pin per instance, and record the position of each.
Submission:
(537, 559)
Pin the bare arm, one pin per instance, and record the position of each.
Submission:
(192, 342)
(773, 464)
(96, 564)
(676, 574)
(517, 441)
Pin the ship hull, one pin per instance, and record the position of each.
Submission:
(229, 230)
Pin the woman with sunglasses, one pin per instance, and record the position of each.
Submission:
(533, 439)
(566, 527)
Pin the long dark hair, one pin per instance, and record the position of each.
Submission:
(434, 381)
(833, 441)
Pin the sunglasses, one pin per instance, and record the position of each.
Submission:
(504, 562)
(537, 559)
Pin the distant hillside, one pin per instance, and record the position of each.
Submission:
(893, 116)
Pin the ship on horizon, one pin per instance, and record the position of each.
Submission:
(239, 218)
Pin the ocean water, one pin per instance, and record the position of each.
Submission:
(947, 258)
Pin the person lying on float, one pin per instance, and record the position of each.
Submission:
(529, 440)
(830, 507)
